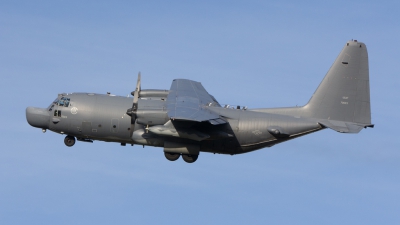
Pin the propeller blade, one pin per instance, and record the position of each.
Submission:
(132, 111)
(136, 94)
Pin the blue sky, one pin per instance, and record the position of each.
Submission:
(253, 53)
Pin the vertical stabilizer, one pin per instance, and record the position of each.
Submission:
(343, 94)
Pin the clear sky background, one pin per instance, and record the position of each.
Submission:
(253, 53)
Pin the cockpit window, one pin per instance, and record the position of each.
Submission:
(51, 106)
(63, 102)
(66, 102)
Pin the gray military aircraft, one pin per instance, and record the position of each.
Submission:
(186, 120)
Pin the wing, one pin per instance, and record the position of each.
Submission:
(188, 101)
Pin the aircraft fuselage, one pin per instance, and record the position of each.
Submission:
(103, 117)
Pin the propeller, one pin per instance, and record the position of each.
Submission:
(132, 111)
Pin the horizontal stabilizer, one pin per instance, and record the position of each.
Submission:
(344, 127)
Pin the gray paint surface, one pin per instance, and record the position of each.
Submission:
(187, 119)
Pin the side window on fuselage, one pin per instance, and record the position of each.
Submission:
(57, 113)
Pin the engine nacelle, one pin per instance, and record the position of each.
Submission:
(151, 116)
(151, 111)
(153, 93)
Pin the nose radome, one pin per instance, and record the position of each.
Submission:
(38, 117)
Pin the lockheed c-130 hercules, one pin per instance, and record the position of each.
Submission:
(186, 120)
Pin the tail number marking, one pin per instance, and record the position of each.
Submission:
(345, 103)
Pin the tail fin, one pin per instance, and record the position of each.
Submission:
(343, 94)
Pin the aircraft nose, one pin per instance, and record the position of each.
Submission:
(38, 117)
